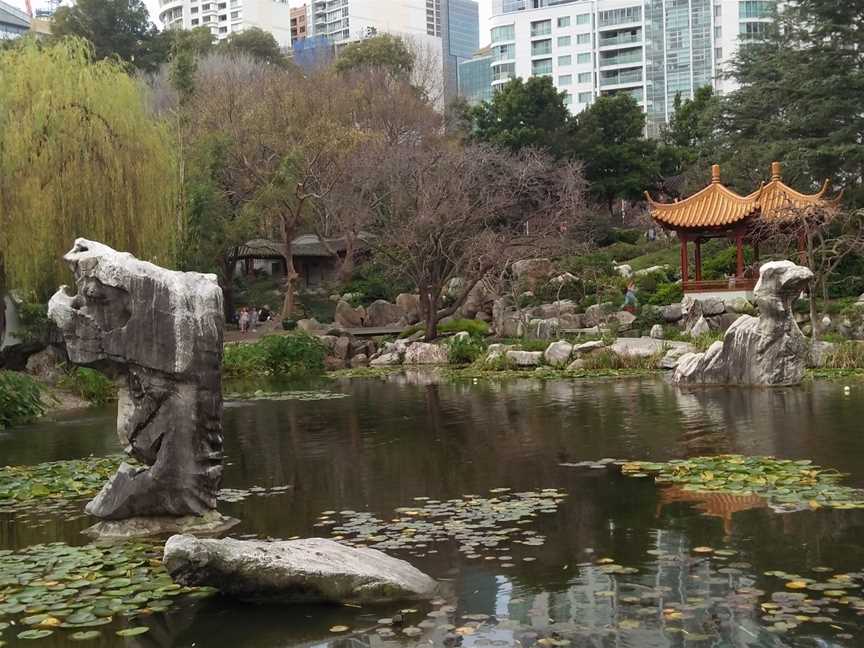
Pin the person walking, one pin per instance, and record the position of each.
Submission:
(244, 320)
(630, 301)
(253, 318)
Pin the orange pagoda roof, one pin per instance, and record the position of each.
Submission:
(716, 206)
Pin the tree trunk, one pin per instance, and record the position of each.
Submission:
(227, 281)
(611, 205)
(346, 269)
(814, 316)
(290, 271)
(429, 312)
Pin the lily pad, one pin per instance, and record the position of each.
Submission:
(133, 632)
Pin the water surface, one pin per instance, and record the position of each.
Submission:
(405, 437)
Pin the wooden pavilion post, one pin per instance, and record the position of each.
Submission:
(698, 259)
(739, 246)
(685, 270)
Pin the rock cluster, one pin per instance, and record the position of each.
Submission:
(768, 350)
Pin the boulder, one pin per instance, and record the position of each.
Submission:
(496, 351)
(596, 314)
(645, 347)
(652, 270)
(409, 305)
(386, 359)
(573, 321)
(338, 351)
(576, 365)
(625, 271)
(769, 350)
(673, 356)
(742, 306)
(558, 353)
(45, 365)
(657, 332)
(533, 272)
(311, 326)
(699, 327)
(712, 307)
(825, 324)
(423, 353)
(563, 279)
(588, 347)
(672, 313)
(722, 322)
(543, 329)
(525, 358)
(819, 353)
(625, 319)
(480, 298)
(314, 570)
(382, 313)
(161, 331)
(348, 317)
(359, 360)
(555, 309)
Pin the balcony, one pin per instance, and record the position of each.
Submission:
(626, 38)
(629, 77)
(629, 57)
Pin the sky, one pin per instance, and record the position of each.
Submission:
(153, 7)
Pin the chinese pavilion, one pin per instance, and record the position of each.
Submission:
(718, 212)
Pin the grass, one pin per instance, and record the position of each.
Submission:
(847, 356)
(275, 355)
(89, 384)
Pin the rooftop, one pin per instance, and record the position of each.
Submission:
(717, 207)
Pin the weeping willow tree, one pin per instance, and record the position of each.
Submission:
(80, 155)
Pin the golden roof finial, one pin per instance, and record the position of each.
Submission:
(776, 170)
(715, 173)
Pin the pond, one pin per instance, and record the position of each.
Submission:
(611, 563)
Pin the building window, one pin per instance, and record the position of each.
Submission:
(752, 30)
(755, 9)
(504, 33)
(718, 32)
(583, 39)
(568, 99)
(236, 14)
(565, 80)
(718, 53)
(194, 10)
(564, 41)
(585, 97)
(564, 21)
(718, 10)
(565, 60)
(541, 67)
(541, 28)
(223, 17)
(586, 77)
(541, 48)
(194, 22)
(583, 19)
(223, 30)
(504, 52)
(583, 58)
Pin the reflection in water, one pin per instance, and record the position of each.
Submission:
(412, 436)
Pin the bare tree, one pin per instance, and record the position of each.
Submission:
(823, 237)
(443, 211)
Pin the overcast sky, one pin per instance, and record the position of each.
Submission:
(153, 6)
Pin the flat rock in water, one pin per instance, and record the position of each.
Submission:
(295, 571)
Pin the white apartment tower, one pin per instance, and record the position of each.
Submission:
(651, 49)
(225, 17)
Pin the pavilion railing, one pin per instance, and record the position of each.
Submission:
(724, 285)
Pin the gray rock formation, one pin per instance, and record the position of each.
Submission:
(768, 350)
(533, 272)
(424, 353)
(525, 358)
(672, 313)
(409, 304)
(297, 571)
(382, 313)
(558, 353)
(348, 317)
(657, 332)
(162, 332)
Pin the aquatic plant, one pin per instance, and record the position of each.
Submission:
(309, 395)
(91, 385)
(20, 399)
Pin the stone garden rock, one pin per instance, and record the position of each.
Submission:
(386, 359)
(543, 329)
(162, 332)
(310, 326)
(382, 313)
(496, 351)
(45, 365)
(644, 347)
(768, 350)
(699, 327)
(672, 313)
(563, 279)
(588, 347)
(742, 306)
(576, 365)
(525, 358)
(533, 272)
(573, 321)
(558, 353)
(673, 356)
(625, 319)
(596, 314)
(712, 307)
(819, 353)
(348, 317)
(424, 353)
(409, 305)
(657, 332)
(652, 270)
(314, 570)
(624, 270)
(555, 309)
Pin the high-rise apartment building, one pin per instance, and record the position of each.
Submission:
(475, 77)
(226, 17)
(298, 23)
(442, 32)
(653, 50)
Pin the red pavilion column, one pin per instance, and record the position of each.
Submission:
(698, 259)
(685, 270)
(739, 245)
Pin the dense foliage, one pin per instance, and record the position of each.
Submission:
(20, 399)
(89, 384)
(275, 355)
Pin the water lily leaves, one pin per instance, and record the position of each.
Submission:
(85, 635)
(260, 395)
(339, 628)
(35, 634)
(785, 485)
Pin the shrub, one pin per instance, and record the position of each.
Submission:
(371, 281)
(89, 384)
(474, 328)
(702, 342)
(606, 359)
(275, 355)
(666, 293)
(20, 399)
(34, 322)
(464, 351)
